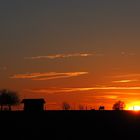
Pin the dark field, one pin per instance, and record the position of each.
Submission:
(70, 124)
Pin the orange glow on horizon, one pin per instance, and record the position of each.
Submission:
(135, 106)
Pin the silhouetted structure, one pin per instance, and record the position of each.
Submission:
(33, 104)
(101, 108)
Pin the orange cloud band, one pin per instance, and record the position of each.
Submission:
(60, 56)
(47, 76)
(61, 90)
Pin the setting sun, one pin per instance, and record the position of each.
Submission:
(135, 106)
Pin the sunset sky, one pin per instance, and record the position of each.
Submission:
(79, 51)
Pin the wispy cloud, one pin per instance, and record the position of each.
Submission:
(58, 90)
(126, 78)
(125, 81)
(111, 96)
(106, 97)
(122, 93)
(47, 76)
(127, 53)
(60, 56)
(66, 90)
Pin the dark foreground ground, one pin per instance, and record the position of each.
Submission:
(70, 125)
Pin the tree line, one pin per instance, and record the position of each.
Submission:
(119, 105)
(9, 98)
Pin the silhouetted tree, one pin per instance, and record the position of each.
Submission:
(8, 98)
(66, 106)
(119, 105)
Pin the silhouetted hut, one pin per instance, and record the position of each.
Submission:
(33, 104)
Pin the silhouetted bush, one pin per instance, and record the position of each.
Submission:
(66, 106)
(119, 105)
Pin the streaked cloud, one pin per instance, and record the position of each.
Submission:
(122, 93)
(47, 76)
(66, 90)
(59, 90)
(107, 97)
(128, 53)
(111, 96)
(60, 56)
(125, 81)
(126, 78)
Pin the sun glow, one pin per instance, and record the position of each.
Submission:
(133, 106)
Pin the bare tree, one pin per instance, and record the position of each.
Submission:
(119, 105)
(8, 98)
(66, 106)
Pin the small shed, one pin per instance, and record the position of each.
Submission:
(33, 104)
